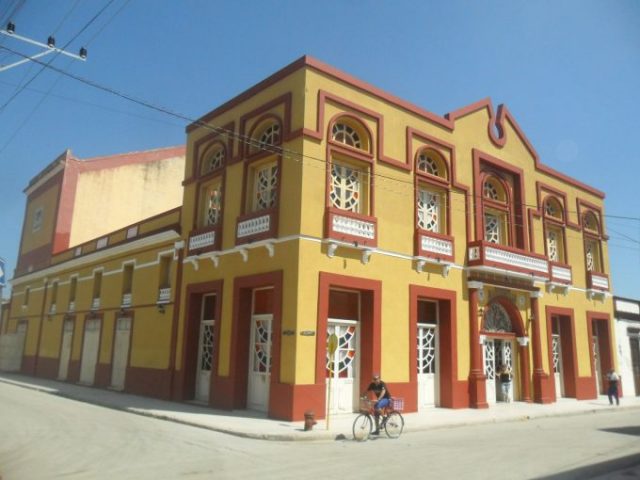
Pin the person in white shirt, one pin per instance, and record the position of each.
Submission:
(612, 392)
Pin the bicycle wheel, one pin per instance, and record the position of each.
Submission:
(362, 427)
(394, 425)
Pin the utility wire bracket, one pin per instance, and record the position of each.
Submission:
(47, 48)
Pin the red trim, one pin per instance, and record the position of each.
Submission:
(447, 122)
(448, 350)
(202, 145)
(185, 378)
(231, 391)
(519, 234)
(568, 348)
(345, 237)
(606, 347)
(370, 322)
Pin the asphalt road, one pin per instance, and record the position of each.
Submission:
(43, 436)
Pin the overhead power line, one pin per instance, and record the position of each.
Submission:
(48, 64)
(288, 153)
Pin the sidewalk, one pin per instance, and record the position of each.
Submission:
(255, 425)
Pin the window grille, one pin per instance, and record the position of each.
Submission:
(343, 133)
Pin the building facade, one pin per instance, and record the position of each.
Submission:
(432, 249)
(627, 315)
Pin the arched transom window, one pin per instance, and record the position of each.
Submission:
(213, 161)
(552, 208)
(590, 222)
(496, 319)
(270, 135)
(431, 163)
(346, 134)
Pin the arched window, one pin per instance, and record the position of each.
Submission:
(213, 160)
(267, 135)
(496, 319)
(343, 133)
(590, 222)
(554, 230)
(431, 163)
(496, 210)
(592, 246)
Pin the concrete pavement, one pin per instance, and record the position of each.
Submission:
(255, 425)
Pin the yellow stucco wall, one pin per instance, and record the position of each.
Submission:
(112, 198)
(45, 202)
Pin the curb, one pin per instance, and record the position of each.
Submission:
(319, 435)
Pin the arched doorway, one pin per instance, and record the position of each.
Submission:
(501, 332)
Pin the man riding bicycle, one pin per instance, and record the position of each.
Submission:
(383, 398)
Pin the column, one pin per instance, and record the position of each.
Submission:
(477, 379)
(539, 377)
(525, 372)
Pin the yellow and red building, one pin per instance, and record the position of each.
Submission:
(434, 248)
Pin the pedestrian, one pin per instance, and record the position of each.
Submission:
(612, 392)
(505, 382)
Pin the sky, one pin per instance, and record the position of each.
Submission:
(567, 70)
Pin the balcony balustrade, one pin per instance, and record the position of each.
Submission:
(164, 295)
(351, 227)
(511, 260)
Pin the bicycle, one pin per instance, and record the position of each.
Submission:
(390, 419)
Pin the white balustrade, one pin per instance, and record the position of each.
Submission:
(164, 295)
(599, 281)
(352, 226)
(126, 300)
(516, 260)
(436, 245)
(95, 304)
(561, 273)
(202, 240)
(254, 226)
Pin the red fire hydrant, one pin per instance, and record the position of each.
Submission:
(309, 420)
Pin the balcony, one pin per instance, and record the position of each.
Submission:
(351, 227)
(164, 295)
(95, 304)
(560, 273)
(597, 281)
(502, 259)
(126, 300)
(256, 226)
(204, 240)
(434, 245)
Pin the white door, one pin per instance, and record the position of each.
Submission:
(205, 358)
(65, 350)
(427, 365)
(342, 368)
(120, 352)
(259, 362)
(489, 353)
(556, 349)
(90, 351)
(596, 366)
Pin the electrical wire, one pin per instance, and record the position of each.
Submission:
(48, 64)
(287, 153)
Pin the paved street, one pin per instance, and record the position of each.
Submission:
(44, 436)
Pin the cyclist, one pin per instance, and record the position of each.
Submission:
(383, 398)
